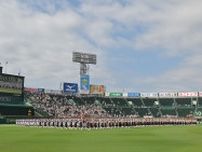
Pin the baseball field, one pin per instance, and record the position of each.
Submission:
(146, 139)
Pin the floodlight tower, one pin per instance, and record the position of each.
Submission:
(85, 59)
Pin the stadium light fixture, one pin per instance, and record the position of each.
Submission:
(85, 59)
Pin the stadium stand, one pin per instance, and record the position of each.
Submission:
(200, 102)
(166, 102)
(63, 106)
(155, 112)
(183, 102)
(168, 112)
(52, 105)
(149, 102)
(184, 112)
(137, 102)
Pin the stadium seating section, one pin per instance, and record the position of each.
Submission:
(50, 105)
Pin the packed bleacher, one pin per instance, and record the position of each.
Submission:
(63, 106)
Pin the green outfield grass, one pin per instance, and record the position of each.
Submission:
(148, 139)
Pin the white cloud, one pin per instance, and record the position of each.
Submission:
(176, 29)
(40, 43)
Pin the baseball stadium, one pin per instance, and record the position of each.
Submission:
(100, 76)
(88, 118)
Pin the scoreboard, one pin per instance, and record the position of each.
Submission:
(11, 84)
(11, 89)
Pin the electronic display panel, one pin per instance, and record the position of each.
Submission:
(10, 84)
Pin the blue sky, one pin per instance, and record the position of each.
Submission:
(141, 45)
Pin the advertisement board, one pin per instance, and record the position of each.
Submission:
(48, 91)
(167, 94)
(70, 87)
(34, 90)
(31, 90)
(97, 89)
(84, 84)
(200, 94)
(147, 95)
(133, 94)
(125, 94)
(115, 94)
(11, 84)
(41, 90)
(187, 94)
(107, 94)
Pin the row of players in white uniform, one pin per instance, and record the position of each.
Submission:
(105, 123)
